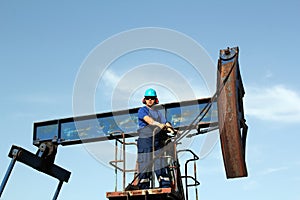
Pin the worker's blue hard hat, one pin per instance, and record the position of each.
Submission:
(150, 93)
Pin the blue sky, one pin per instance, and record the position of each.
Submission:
(43, 44)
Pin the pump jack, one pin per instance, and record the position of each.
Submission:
(223, 111)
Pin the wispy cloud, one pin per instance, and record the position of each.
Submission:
(277, 103)
(110, 78)
(269, 74)
(170, 83)
(273, 170)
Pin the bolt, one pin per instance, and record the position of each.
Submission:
(227, 51)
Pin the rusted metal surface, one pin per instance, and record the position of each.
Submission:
(232, 126)
(150, 194)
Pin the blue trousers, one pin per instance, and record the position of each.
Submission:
(146, 161)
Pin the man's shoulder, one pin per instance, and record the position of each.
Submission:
(143, 109)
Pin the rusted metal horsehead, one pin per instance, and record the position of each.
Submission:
(232, 126)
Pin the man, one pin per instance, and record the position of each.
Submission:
(151, 124)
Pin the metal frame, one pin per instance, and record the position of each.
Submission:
(230, 121)
(38, 163)
(57, 124)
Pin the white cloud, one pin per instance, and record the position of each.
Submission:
(274, 170)
(110, 78)
(126, 90)
(269, 74)
(276, 103)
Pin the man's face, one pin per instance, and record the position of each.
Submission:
(150, 101)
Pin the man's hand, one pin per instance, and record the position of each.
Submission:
(170, 129)
(161, 126)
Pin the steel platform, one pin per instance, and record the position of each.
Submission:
(149, 194)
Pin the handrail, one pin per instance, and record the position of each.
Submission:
(186, 177)
(115, 162)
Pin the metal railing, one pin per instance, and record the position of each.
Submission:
(186, 176)
(121, 151)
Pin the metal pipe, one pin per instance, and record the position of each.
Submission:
(186, 180)
(9, 170)
(195, 175)
(58, 190)
(155, 131)
(124, 162)
(116, 163)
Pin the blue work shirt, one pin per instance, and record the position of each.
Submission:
(154, 114)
